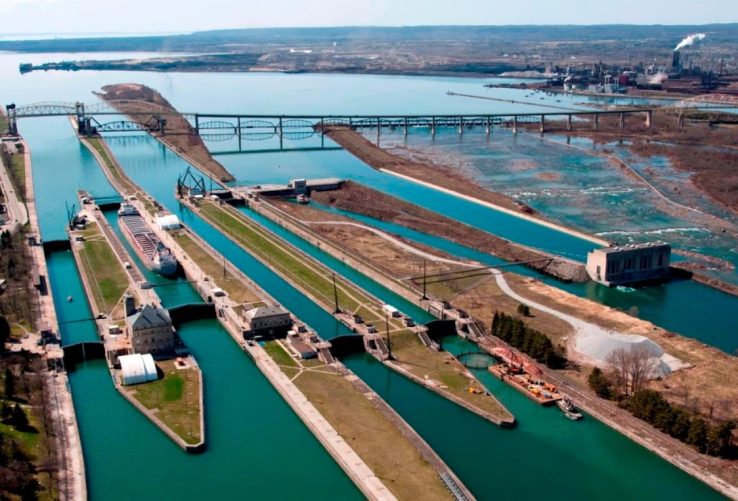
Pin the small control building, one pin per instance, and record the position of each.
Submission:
(629, 264)
(267, 320)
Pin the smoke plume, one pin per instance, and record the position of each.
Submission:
(691, 39)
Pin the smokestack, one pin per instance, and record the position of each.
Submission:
(676, 60)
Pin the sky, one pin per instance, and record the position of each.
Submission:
(178, 16)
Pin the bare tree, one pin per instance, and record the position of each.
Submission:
(641, 366)
(631, 368)
(618, 361)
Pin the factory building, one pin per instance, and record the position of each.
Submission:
(267, 320)
(629, 264)
(150, 329)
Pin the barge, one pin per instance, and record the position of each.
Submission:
(155, 255)
(524, 377)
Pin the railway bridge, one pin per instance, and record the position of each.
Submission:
(104, 117)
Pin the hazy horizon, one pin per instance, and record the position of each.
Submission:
(156, 17)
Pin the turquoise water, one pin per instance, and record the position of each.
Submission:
(545, 457)
(582, 190)
(257, 446)
(249, 427)
(545, 436)
(711, 320)
(172, 291)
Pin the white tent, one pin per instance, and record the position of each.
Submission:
(136, 369)
(168, 222)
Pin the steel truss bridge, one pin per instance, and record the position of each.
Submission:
(104, 117)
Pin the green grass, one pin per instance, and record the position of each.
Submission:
(106, 275)
(275, 350)
(284, 260)
(211, 267)
(176, 397)
(18, 174)
(173, 388)
(28, 439)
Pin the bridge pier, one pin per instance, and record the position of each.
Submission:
(649, 118)
(515, 124)
(405, 128)
(488, 128)
(596, 121)
(240, 148)
(622, 120)
(281, 134)
(568, 122)
(461, 125)
(680, 121)
(543, 124)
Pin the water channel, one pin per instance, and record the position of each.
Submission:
(255, 442)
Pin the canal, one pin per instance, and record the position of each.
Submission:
(254, 439)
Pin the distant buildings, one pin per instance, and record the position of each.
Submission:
(629, 264)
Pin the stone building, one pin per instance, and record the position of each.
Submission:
(150, 330)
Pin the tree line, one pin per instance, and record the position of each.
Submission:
(652, 407)
(516, 333)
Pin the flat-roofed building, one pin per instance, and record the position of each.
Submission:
(629, 264)
(268, 320)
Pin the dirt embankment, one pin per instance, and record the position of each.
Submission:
(439, 175)
(357, 198)
(179, 134)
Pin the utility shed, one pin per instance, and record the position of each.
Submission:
(629, 264)
(272, 320)
(137, 369)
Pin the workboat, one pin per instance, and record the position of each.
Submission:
(155, 255)
(303, 199)
(567, 407)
